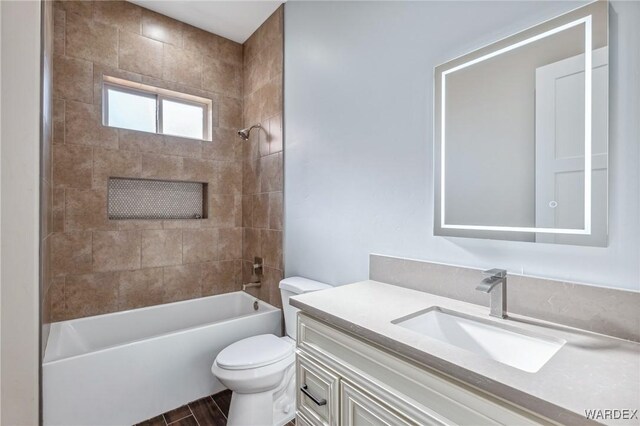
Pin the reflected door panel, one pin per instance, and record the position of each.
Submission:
(559, 170)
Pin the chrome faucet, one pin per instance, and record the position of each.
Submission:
(495, 284)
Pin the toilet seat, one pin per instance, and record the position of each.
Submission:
(254, 352)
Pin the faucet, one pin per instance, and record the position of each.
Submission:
(495, 284)
(255, 275)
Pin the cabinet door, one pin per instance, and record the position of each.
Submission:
(317, 395)
(358, 409)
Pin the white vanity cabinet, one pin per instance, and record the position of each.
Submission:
(343, 380)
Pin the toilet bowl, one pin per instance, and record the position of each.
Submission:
(260, 370)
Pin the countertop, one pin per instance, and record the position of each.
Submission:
(591, 371)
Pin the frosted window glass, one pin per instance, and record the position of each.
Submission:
(131, 111)
(181, 119)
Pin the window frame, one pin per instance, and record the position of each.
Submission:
(160, 114)
(159, 94)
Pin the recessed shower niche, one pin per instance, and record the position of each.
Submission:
(156, 199)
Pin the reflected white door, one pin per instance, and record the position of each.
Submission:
(560, 149)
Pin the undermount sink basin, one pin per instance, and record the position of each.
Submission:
(517, 348)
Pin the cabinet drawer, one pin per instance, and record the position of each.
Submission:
(317, 396)
(359, 409)
(301, 421)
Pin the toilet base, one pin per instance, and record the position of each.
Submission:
(276, 407)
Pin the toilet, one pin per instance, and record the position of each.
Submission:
(260, 370)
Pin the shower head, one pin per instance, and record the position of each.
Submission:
(244, 133)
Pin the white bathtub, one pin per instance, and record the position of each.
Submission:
(125, 367)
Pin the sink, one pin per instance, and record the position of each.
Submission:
(503, 343)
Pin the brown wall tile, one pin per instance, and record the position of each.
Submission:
(116, 250)
(70, 253)
(225, 210)
(58, 31)
(182, 282)
(83, 126)
(162, 166)
(58, 210)
(275, 210)
(221, 277)
(275, 134)
(91, 294)
(198, 170)
(90, 40)
(83, 8)
(224, 146)
(161, 28)
(222, 77)
(56, 300)
(272, 248)
(86, 210)
(230, 113)
(73, 79)
(123, 15)
(199, 245)
(260, 218)
(58, 121)
(140, 288)
(271, 173)
(182, 66)
(200, 41)
(140, 54)
(161, 247)
(113, 163)
(230, 243)
(72, 166)
(251, 244)
(229, 179)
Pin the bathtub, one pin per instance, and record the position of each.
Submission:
(125, 367)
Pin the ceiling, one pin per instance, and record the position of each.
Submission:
(235, 20)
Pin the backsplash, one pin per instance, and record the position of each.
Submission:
(602, 310)
(100, 265)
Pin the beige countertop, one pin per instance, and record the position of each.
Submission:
(590, 372)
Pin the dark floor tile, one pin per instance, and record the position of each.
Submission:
(207, 412)
(291, 423)
(223, 400)
(187, 421)
(156, 421)
(177, 414)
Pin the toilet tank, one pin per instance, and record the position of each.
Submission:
(294, 286)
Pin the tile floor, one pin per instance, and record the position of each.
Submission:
(208, 411)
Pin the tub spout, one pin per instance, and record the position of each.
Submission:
(251, 285)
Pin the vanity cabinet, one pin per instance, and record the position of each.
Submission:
(344, 380)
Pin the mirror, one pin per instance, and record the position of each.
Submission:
(521, 135)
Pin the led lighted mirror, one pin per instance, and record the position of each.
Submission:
(521, 146)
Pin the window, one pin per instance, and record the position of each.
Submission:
(135, 106)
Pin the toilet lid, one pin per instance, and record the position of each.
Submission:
(253, 352)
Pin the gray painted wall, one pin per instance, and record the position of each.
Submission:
(358, 132)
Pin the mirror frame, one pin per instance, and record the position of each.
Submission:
(582, 15)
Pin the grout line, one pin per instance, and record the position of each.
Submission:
(217, 406)
(193, 415)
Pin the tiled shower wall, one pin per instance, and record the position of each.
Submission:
(263, 155)
(99, 265)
